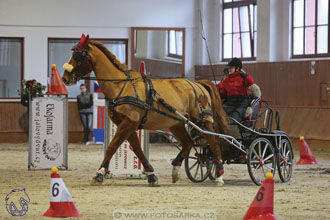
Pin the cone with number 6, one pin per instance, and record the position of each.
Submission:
(61, 203)
(262, 207)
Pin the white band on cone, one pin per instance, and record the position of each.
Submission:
(58, 191)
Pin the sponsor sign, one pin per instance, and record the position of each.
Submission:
(124, 161)
(48, 133)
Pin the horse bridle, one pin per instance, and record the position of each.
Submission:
(79, 54)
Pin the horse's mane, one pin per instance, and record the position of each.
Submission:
(110, 55)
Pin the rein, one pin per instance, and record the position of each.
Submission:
(110, 80)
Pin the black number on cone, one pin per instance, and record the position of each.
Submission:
(55, 190)
(260, 195)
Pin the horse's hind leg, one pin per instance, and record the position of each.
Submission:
(135, 143)
(186, 142)
(216, 149)
(123, 132)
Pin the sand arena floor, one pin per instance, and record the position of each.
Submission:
(307, 196)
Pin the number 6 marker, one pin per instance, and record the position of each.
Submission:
(262, 206)
(61, 203)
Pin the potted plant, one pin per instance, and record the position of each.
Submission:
(30, 88)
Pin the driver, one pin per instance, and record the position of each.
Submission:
(234, 90)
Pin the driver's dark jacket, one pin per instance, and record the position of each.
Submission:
(85, 103)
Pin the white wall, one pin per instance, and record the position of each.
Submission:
(210, 13)
(36, 20)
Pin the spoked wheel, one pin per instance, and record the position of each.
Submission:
(212, 175)
(197, 164)
(261, 160)
(284, 161)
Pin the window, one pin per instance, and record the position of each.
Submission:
(59, 52)
(11, 66)
(239, 29)
(174, 45)
(310, 32)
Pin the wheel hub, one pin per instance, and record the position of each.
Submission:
(284, 161)
(198, 155)
(261, 162)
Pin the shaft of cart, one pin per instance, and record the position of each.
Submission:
(230, 139)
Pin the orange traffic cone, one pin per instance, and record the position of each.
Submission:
(306, 156)
(262, 207)
(57, 86)
(143, 67)
(61, 203)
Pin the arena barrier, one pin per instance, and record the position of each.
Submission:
(98, 118)
(48, 132)
(124, 162)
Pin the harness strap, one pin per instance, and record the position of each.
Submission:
(113, 101)
(203, 112)
(150, 93)
(138, 103)
(199, 103)
(128, 74)
(198, 85)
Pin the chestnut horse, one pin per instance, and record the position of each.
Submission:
(196, 100)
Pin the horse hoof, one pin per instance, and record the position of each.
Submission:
(98, 179)
(153, 180)
(175, 178)
(154, 184)
(94, 182)
(219, 181)
(217, 184)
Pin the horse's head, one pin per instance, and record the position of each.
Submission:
(79, 64)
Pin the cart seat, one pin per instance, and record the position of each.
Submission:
(252, 113)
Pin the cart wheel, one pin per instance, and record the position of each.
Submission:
(284, 161)
(212, 171)
(197, 164)
(261, 160)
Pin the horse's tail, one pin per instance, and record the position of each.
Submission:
(219, 115)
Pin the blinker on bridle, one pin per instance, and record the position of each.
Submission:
(79, 55)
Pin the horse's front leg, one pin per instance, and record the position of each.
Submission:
(125, 128)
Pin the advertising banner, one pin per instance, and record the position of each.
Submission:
(124, 161)
(48, 140)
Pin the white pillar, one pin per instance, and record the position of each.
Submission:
(210, 10)
(263, 27)
(280, 26)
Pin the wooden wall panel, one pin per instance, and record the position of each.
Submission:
(13, 117)
(74, 123)
(160, 68)
(283, 83)
(14, 122)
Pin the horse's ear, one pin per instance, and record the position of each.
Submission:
(82, 40)
(86, 41)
